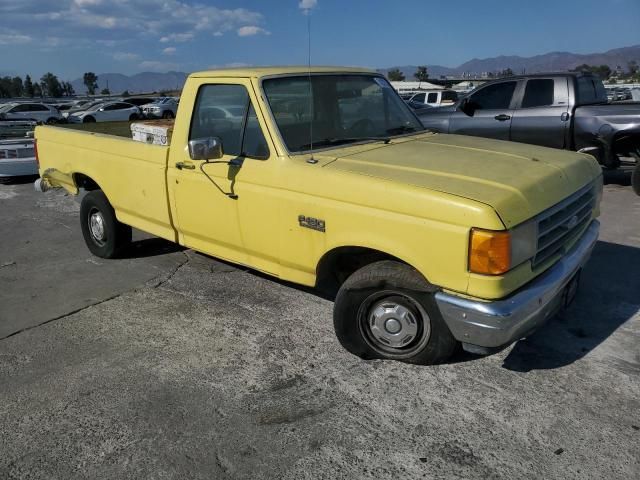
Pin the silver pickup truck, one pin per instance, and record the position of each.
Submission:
(561, 110)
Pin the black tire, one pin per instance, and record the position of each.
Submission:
(382, 287)
(133, 117)
(635, 178)
(167, 115)
(95, 209)
(89, 119)
(52, 121)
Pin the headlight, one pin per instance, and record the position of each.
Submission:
(494, 252)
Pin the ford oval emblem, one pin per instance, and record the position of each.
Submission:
(573, 221)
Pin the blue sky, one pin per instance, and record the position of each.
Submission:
(69, 37)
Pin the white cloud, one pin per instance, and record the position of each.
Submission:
(307, 4)
(169, 51)
(125, 20)
(125, 56)
(250, 30)
(14, 39)
(177, 37)
(158, 66)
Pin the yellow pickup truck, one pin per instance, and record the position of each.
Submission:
(324, 177)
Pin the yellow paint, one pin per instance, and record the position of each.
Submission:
(415, 198)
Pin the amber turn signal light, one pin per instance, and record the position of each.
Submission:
(489, 251)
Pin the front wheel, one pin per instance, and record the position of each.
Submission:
(133, 117)
(167, 115)
(89, 119)
(104, 235)
(387, 310)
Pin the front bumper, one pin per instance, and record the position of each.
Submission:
(498, 323)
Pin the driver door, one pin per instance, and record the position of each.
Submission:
(489, 112)
(206, 209)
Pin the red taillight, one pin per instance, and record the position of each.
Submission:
(35, 150)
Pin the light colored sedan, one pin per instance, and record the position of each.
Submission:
(106, 112)
(30, 111)
(17, 158)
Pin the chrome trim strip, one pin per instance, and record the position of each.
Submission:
(500, 322)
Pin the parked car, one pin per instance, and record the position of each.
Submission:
(140, 101)
(16, 129)
(435, 98)
(165, 107)
(30, 111)
(82, 107)
(106, 112)
(429, 239)
(17, 158)
(564, 110)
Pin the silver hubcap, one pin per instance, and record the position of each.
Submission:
(392, 324)
(96, 227)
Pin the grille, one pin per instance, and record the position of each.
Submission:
(560, 224)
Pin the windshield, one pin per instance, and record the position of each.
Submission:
(346, 109)
(6, 107)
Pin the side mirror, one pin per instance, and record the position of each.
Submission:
(101, 109)
(205, 148)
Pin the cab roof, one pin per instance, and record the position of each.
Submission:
(257, 72)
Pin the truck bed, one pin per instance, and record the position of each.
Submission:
(118, 129)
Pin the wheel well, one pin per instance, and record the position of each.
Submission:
(626, 143)
(85, 182)
(338, 264)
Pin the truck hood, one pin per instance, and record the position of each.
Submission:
(517, 180)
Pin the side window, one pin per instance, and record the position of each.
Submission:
(219, 112)
(433, 98)
(538, 93)
(494, 97)
(34, 107)
(419, 97)
(110, 107)
(20, 108)
(254, 143)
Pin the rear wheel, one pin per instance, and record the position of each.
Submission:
(387, 310)
(52, 121)
(104, 235)
(167, 115)
(133, 117)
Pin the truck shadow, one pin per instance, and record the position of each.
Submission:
(150, 247)
(617, 177)
(608, 297)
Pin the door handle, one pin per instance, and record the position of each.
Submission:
(502, 117)
(186, 166)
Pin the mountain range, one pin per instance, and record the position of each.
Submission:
(548, 62)
(555, 61)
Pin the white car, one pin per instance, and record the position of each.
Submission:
(30, 111)
(17, 158)
(435, 98)
(165, 107)
(106, 112)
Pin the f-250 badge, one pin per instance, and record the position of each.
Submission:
(312, 223)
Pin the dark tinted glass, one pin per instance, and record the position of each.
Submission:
(219, 112)
(419, 97)
(591, 90)
(493, 97)
(538, 93)
(254, 144)
(433, 98)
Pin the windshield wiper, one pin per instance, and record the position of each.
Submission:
(329, 142)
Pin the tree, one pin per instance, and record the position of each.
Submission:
(421, 74)
(506, 73)
(126, 93)
(50, 85)
(395, 75)
(105, 91)
(67, 89)
(633, 67)
(28, 86)
(91, 82)
(37, 91)
(17, 88)
(603, 71)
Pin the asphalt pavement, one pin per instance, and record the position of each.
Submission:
(170, 364)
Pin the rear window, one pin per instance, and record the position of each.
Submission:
(539, 93)
(591, 90)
